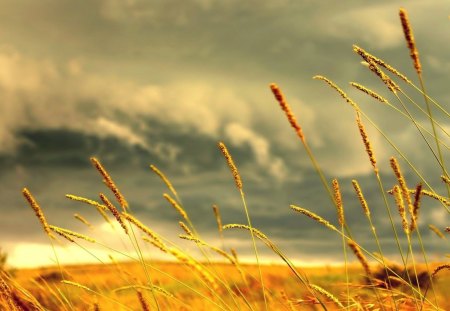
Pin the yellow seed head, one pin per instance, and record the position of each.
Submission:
(141, 226)
(401, 207)
(82, 219)
(403, 187)
(339, 90)
(437, 231)
(361, 198)
(328, 295)
(313, 216)
(87, 201)
(338, 201)
(164, 179)
(232, 166)
(37, 210)
(177, 206)
(185, 228)
(369, 92)
(65, 232)
(287, 110)
(218, 218)
(411, 43)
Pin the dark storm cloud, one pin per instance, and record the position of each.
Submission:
(143, 82)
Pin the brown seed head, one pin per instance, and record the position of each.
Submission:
(361, 198)
(439, 268)
(185, 228)
(218, 218)
(367, 144)
(411, 43)
(359, 254)
(142, 301)
(37, 210)
(114, 211)
(231, 165)
(416, 207)
(287, 110)
(338, 201)
(110, 183)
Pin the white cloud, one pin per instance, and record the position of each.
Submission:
(240, 135)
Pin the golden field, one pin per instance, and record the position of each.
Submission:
(367, 280)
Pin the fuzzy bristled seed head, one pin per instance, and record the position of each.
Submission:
(218, 217)
(416, 206)
(313, 216)
(369, 92)
(339, 90)
(359, 254)
(231, 165)
(367, 144)
(110, 183)
(403, 187)
(114, 211)
(361, 198)
(338, 201)
(401, 207)
(175, 205)
(287, 110)
(411, 43)
(164, 179)
(37, 210)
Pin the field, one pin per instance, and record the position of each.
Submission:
(285, 293)
(366, 280)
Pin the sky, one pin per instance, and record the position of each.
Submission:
(142, 82)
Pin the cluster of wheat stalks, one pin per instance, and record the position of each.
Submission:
(402, 287)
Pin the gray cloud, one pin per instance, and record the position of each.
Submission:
(142, 82)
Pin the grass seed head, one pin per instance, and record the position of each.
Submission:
(361, 198)
(361, 257)
(231, 165)
(339, 90)
(37, 210)
(114, 211)
(287, 110)
(410, 41)
(367, 144)
(338, 201)
(177, 206)
(314, 217)
(110, 183)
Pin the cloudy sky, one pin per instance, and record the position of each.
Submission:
(141, 82)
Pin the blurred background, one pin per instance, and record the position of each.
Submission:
(142, 82)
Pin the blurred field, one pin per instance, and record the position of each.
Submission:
(45, 283)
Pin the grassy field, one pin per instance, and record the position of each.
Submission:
(284, 292)
(373, 282)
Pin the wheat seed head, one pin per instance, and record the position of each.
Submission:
(369, 92)
(401, 207)
(403, 187)
(64, 232)
(231, 165)
(287, 110)
(313, 216)
(163, 178)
